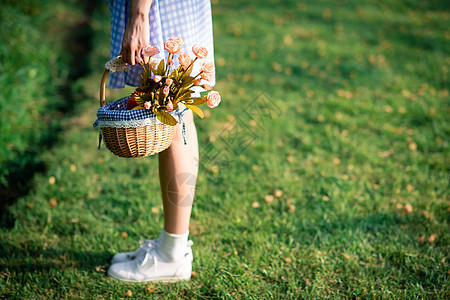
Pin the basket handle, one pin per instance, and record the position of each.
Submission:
(103, 87)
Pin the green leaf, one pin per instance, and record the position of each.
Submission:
(160, 69)
(165, 117)
(146, 75)
(195, 109)
(175, 74)
(195, 100)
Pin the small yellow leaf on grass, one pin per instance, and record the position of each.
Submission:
(215, 169)
(155, 209)
(336, 161)
(231, 118)
(291, 208)
(255, 167)
(288, 259)
(432, 238)
(100, 269)
(129, 294)
(287, 40)
(53, 203)
(51, 180)
(407, 209)
(255, 204)
(421, 239)
(221, 61)
(269, 198)
(252, 123)
(276, 67)
(412, 146)
(410, 188)
(325, 198)
(399, 206)
(346, 256)
(124, 235)
(150, 288)
(278, 193)
(388, 109)
(290, 158)
(432, 111)
(73, 168)
(193, 273)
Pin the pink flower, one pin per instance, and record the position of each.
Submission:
(197, 81)
(169, 106)
(208, 67)
(157, 78)
(207, 87)
(172, 46)
(166, 90)
(208, 76)
(149, 51)
(199, 51)
(169, 81)
(178, 40)
(213, 99)
(185, 60)
(147, 105)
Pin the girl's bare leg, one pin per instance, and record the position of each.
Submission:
(178, 168)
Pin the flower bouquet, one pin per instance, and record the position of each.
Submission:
(144, 123)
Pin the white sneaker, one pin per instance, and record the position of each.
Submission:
(144, 246)
(150, 266)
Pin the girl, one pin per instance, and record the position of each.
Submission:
(135, 24)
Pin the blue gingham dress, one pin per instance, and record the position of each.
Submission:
(189, 19)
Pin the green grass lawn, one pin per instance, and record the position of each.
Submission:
(324, 172)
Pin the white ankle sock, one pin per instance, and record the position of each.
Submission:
(172, 246)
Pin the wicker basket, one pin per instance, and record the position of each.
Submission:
(126, 135)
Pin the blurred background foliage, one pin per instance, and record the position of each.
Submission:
(42, 54)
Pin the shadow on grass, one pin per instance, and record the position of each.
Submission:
(42, 260)
(78, 45)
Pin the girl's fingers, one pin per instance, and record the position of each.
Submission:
(131, 58)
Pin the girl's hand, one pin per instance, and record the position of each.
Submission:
(137, 32)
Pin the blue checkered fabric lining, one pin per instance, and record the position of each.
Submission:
(189, 19)
(117, 111)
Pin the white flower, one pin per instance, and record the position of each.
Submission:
(154, 62)
(117, 65)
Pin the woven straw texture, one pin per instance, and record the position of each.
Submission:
(138, 141)
(126, 138)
